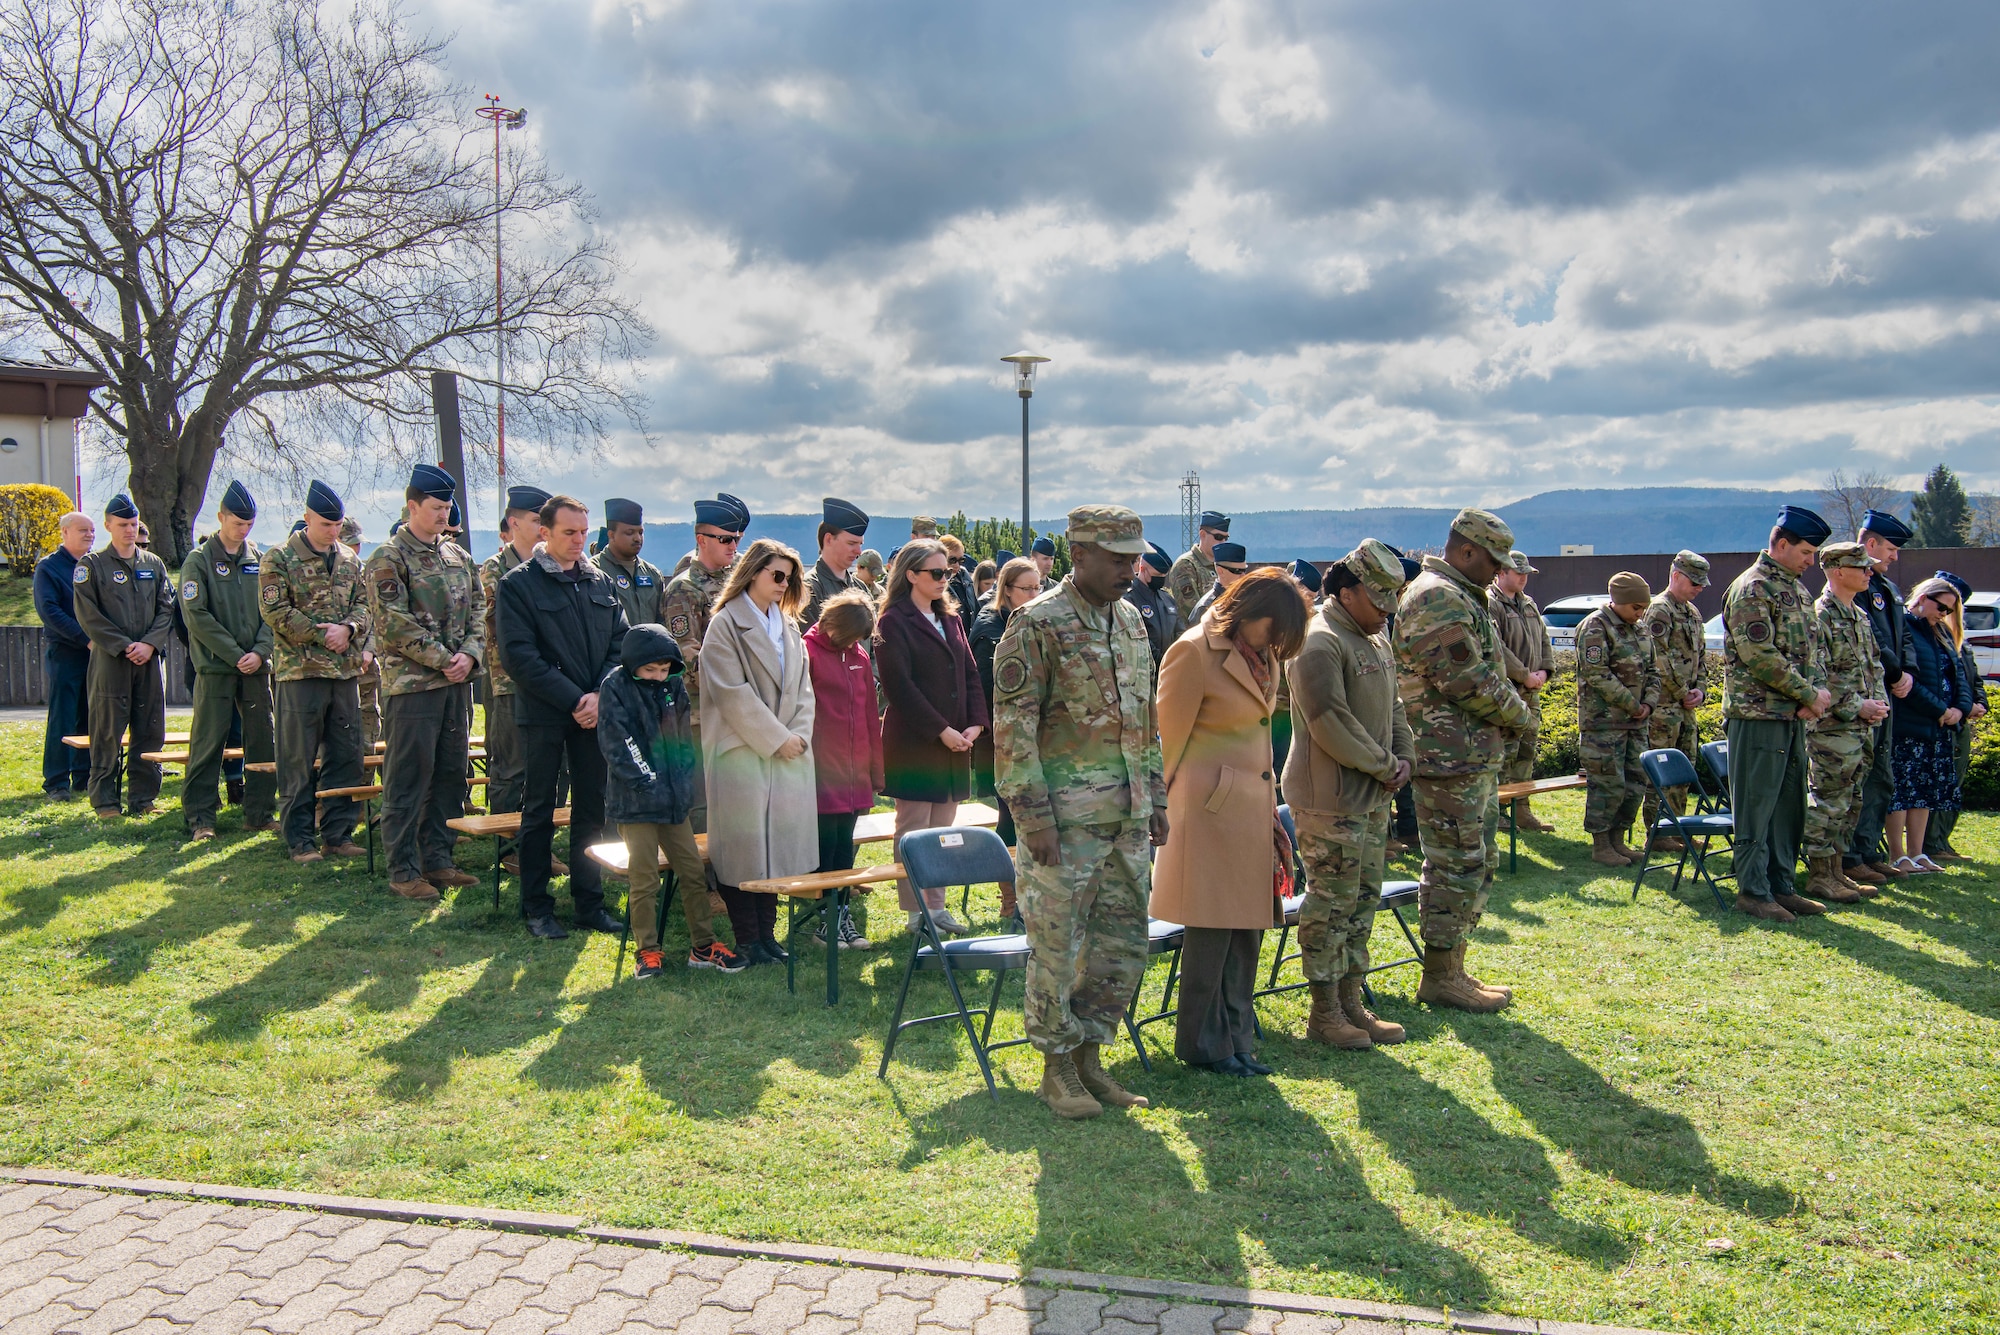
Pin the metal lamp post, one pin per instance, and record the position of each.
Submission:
(1024, 383)
(513, 119)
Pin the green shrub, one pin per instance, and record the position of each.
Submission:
(1559, 752)
(1982, 781)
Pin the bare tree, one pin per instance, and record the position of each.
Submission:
(1985, 521)
(1845, 499)
(251, 215)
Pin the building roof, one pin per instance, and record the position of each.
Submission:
(28, 389)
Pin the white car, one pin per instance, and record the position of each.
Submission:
(1712, 632)
(1982, 632)
(1564, 615)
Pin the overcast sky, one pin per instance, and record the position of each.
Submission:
(1329, 254)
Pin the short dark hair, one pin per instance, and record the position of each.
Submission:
(1269, 591)
(1783, 534)
(416, 494)
(1338, 577)
(556, 503)
(826, 531)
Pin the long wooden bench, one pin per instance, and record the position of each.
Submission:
(500, 826)
(82, 741)
(1513, 792)
(181, 757)
(364, 793)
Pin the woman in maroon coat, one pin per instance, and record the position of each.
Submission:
(936, 707)
(847, 735)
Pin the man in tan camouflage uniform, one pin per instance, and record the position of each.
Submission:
(719, 526)
(1840, 744)
(1680, 653)
(521, 533)
(1194, 570)
(1460, 707)
(841, 528)
(1772, 687)
(429, 618)
(369, 684)
(1077, 750)
(1616, 690)
(1524, 647)
(1351, 753)
(310, 594)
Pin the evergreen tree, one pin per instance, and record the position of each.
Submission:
(1941, 512)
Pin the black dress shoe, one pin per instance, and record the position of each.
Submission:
(547, 928)
(599, 920)
(1230, 1065)
(1251, 1063)
(235, 787)
(772, 951)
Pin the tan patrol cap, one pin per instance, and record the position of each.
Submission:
(1518, 559)
(870, 559)
(1694, 566)
(1380, 572)
(1845, 556)
(1626, 589)
(923, 526)
(1112, 527)
(1489, 531)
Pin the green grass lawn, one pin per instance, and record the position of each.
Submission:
(1687, 1120)
(17, 599)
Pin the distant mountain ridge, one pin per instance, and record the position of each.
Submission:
(1615, 522)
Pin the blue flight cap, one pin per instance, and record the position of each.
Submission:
(121, 507)
(742, 510)
(1044, 547)
(298, 526)
(433, 482)
(1411, 569)
(395, 528)
(1229, 553)
(1156, 557)
(1804, 524)
(1956, 582)
(718, 513)
(618, 510)
(1885, 525)
(455, 519)
(1216, 520)
(845, 517)
(1306, 573)
(238, 501)
(1002, 557)
(526, 498)
(324, 501)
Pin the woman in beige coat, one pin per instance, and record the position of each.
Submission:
(1218, 686)
(756, 741)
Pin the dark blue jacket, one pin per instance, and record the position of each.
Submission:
(55, 601)
(1883, 602)
(646, 732)
(1937, 681)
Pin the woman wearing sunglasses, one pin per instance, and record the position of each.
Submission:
(756, 741)
(936, 707)
(1927, 724)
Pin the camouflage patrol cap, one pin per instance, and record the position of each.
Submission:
(923, 526)
(1380, 571)
(1112, 527)
(869, 560)
(350, 530)
(1694, 566)
(1845, 556)
(1517, 560)
(1488, 530)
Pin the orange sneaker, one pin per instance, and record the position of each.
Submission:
(652, 963)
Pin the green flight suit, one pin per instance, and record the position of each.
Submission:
(121, 601)
(218, 593)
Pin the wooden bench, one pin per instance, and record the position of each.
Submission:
(181, 757)
(1513, 792)
(82, 742)
(501, 826)
(366, 794)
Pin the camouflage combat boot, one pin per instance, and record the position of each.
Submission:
(1526, 819)
(1827, 884)
(1866, 889)
(1632, 856)
(1355, 1008)
(1495, 988)
(1062, 1089)
(1445, 984)
(1329, 1023)
(1090, 1070)
(1603, 853)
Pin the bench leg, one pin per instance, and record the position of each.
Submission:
(1513, 842)
(834, 913)
(498, 845)
(368, 824)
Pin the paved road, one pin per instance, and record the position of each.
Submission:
(91, 1262)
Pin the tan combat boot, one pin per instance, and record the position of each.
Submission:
(1459, 952)
(1445, 984)
(1062, 1089)
(1355, 1008)
(1864, 875)
(1603, 853)
(1632, 856)
(1763, 908)
(1090, 1070)
(1826, 883)
(1865, 889)
(1329, 1024)
(1526, 819)
(1667, 843)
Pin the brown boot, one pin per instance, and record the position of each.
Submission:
(1847, 878)
(1355, 1008)
(1329, 1023)
(1887, 872)
(1798, 905)
(1602, 852)
(1525, 818)
(1632, 856)
(1762, 908)
(1090, 1070)
(1062, 1089)
(450, 876)
(1863, 874)
(1459, 952)
(419, 889)
(1444, 984)
(1666, 843)
(1826, 883)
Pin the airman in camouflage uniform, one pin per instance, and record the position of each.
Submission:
(1460, 707)
(1524, 647)
(1616, 690)
(368, 686)
(1077, 751)
(505, 773)
(1194, 570)
(307, 595)
(718, 525)
(1840, 744)
(429, 617)
(1772, 686)
(218, 596)
(1680, 655)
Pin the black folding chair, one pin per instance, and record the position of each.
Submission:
(937, 860)
(1716, 756)
(1288, 917)
(1666, 767)
(1162, 938)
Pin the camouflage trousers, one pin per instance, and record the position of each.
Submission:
(1616, 783)
(1343, 857)
(369, 688)
(1837, 759)
(1670, 725)
(1086, 925)
(1517, 759)
(1457, 817)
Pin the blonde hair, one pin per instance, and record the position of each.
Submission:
(1018, 568)
(914, 553)
(751, 564)
(952, 546)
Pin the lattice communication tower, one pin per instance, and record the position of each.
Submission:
(1190, 509)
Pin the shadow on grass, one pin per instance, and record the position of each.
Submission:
(155, 840)
(1955, 911)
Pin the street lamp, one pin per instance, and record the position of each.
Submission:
(513, 119)
(1024, 383)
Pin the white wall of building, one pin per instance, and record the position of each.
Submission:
(23, 461)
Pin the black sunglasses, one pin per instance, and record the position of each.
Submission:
(935, 572)
(726, 539)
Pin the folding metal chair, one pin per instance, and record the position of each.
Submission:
(1716, 756)
(1666, 767)
(1288, 917)
(1162, 938)
(937, 860)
